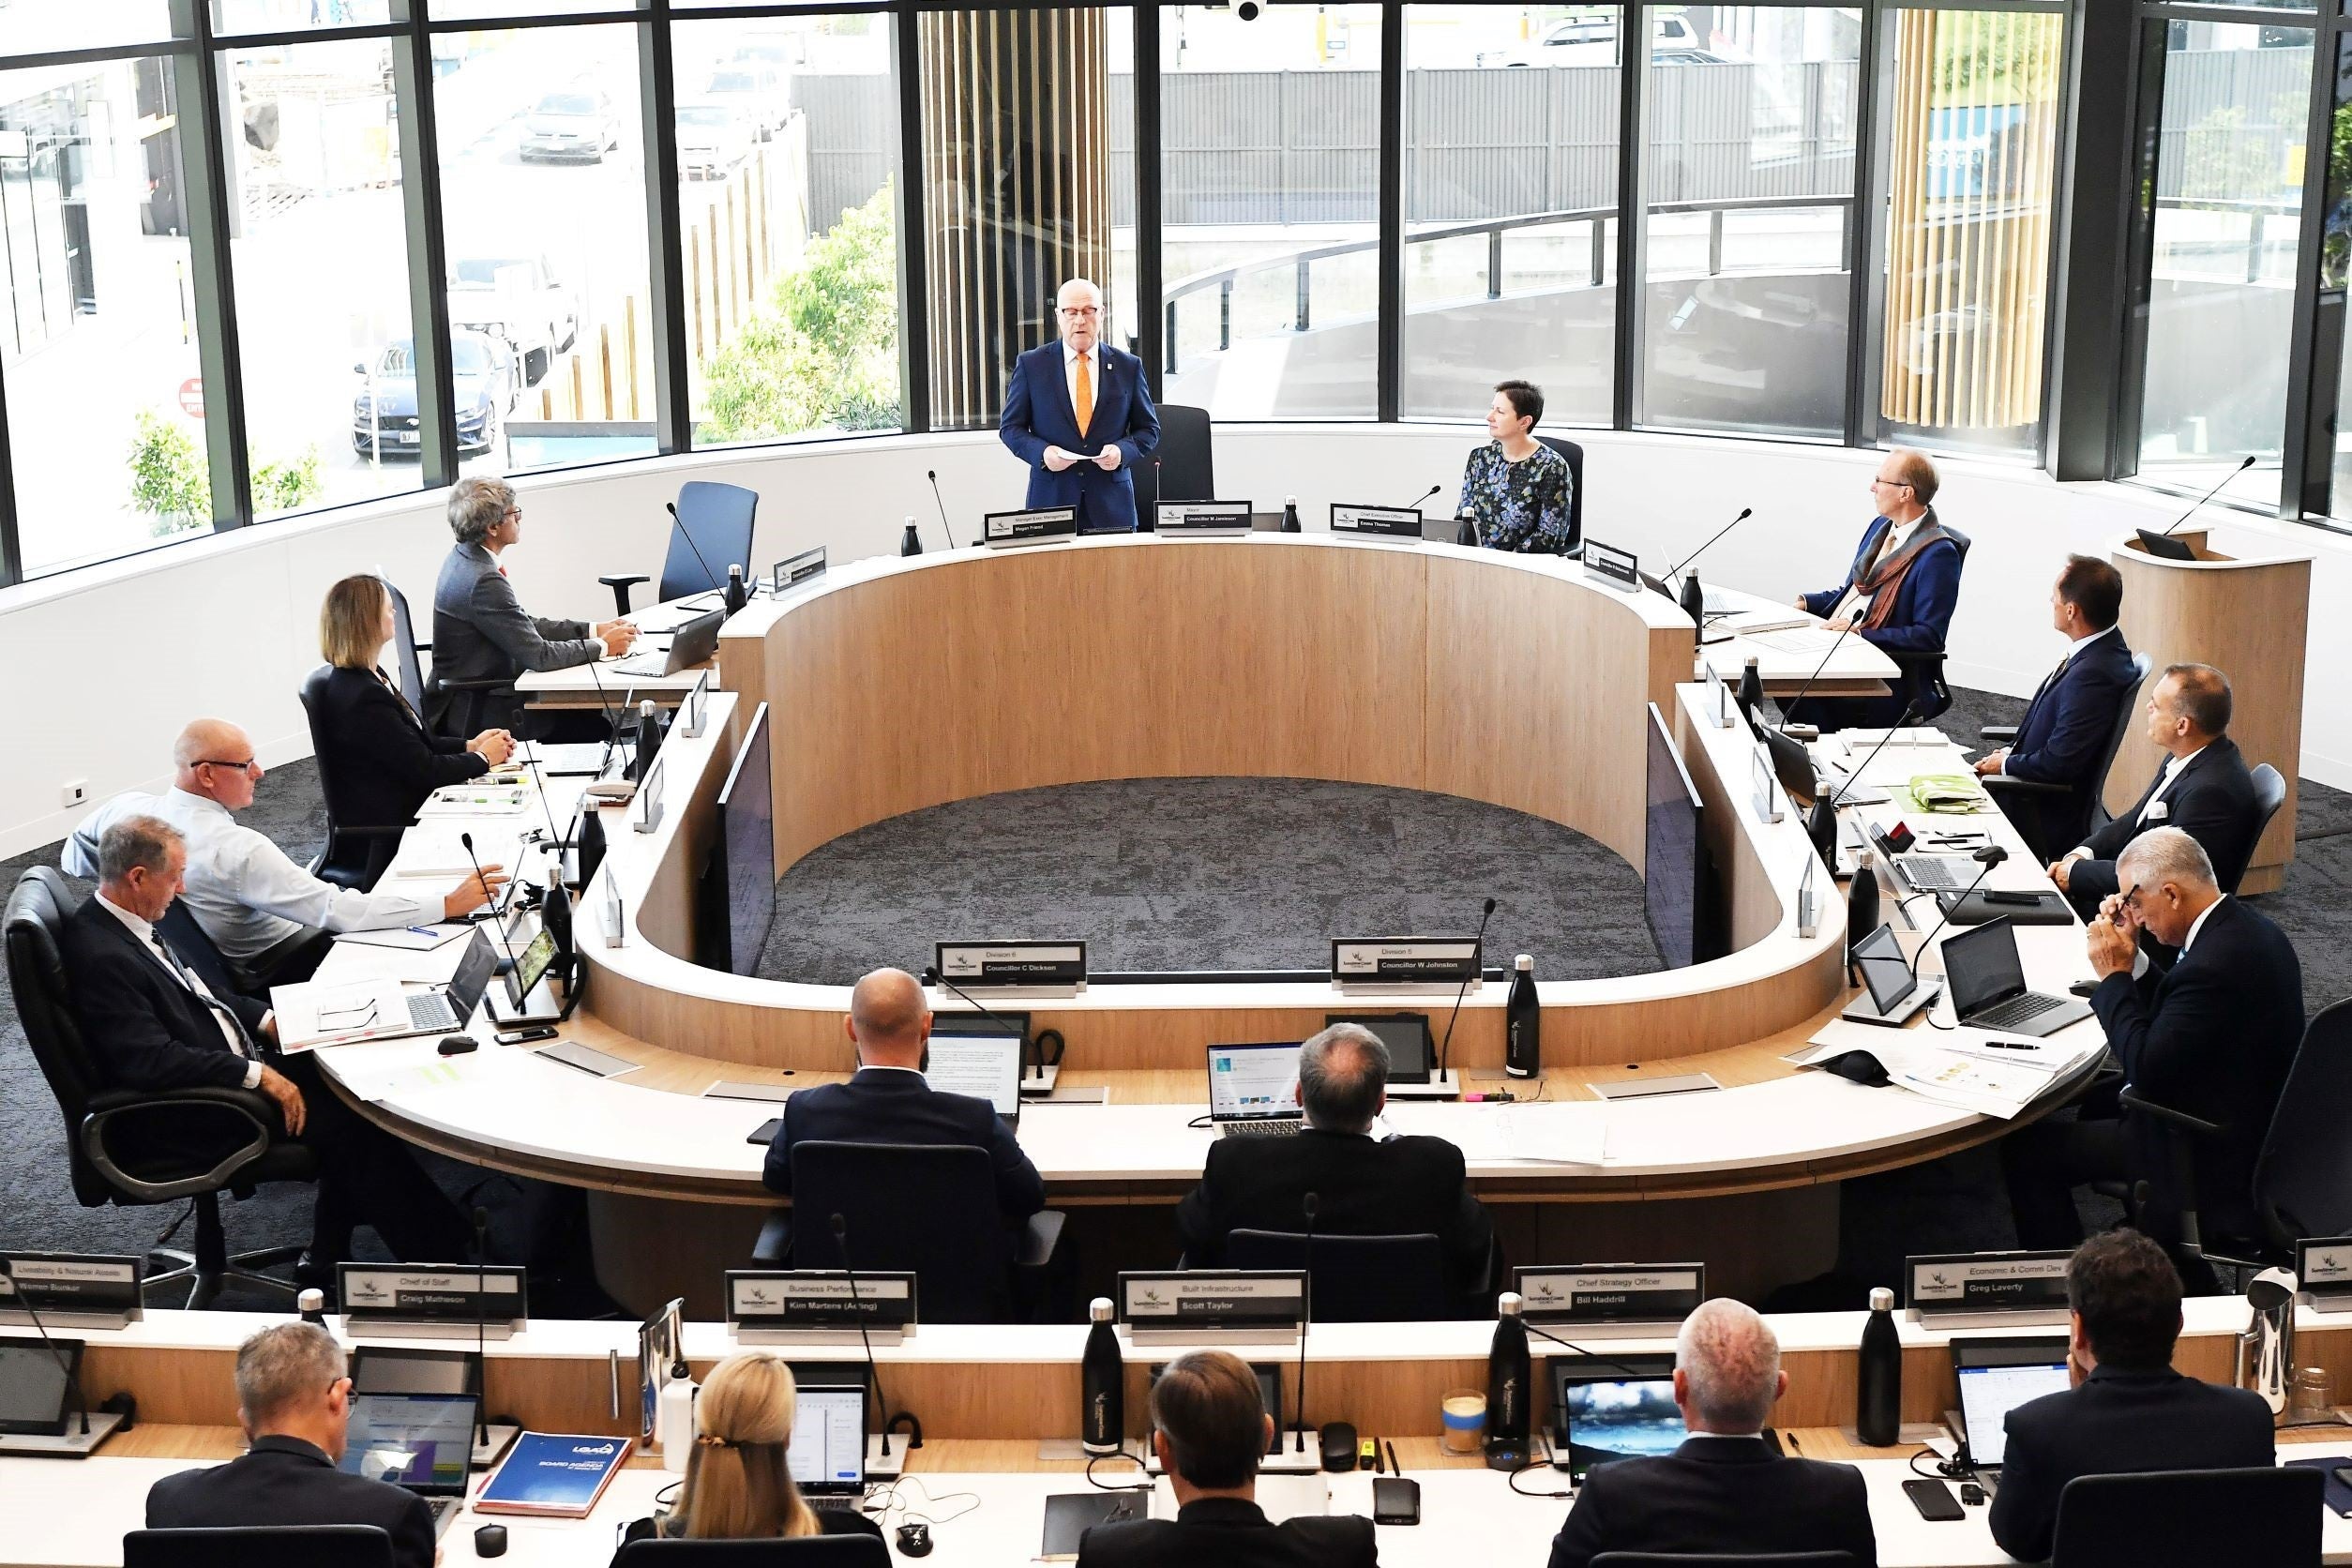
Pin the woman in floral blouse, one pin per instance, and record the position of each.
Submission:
(1516, 488)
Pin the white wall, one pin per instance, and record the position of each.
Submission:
(111, 660)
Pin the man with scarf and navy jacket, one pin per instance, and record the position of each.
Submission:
(1903, 585)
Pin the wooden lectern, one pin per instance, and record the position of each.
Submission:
(2247, 618)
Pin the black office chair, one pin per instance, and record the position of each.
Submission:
(1574, 454)
(2269, 1515)
(710, 529)
(804, 1551)
(1357, 1279)
(260, 1546)
(930, 1209)
(1726, 1560)
(463, 717)
(1186, 469)
(2047, 834)
(357, 853)
(2269, 796)
(2302, 1181)
(95, 1117)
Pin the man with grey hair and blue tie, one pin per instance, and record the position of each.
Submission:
(1727, 1489)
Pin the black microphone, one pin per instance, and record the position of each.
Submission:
(718, 581)
(1311, 1202)
(2208, 496)
(1909, 718)
(65, 1362)
(944, 532)
(1852, 620)
(1422, 497)
(481, 1323)
(531, 762)
(1745, 513)
(1478, 966)
(873, 1369)
(1986, 858)
(932, 975)
(497, 922)
(1539, 1330)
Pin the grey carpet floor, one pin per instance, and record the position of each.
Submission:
(1208, 873)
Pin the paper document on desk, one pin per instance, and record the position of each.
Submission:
(670, 617)
(1861, 743)
(438, 851)
(411, 938)
(314, 1014)
(1567, 1133)
(1753, 623)
(379, 1082)
(477, 800)
(1805, 640)
(1959, 1067)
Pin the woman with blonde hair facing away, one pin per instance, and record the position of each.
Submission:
(738, 1484)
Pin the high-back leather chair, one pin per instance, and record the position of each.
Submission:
(800, 1551)
(1356, 1279)
(357, 853)
(710, 529)
(1574, 454)
(2269, 1516)
(1185, 469)
(260, 1546)
(2050, 826)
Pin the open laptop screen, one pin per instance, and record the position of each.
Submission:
(827, 1454)
(1623, 1418)
(422, 1441)
(1253, 1083)
(1884, 968)
(1981, 966)
(1993, 1384)
(986, 1066)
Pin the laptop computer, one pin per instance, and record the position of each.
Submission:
(1893, 992)
(692, 643)
(1996, 1376)
(1621, 1408)
(1988, 985)
(1938, 874)
(1254, 1089)
(420, 1442)
(528, 999)
(984, 1063)
(827, 1452)
(1412, 1073)
(315, 1013)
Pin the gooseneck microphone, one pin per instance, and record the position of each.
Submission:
(932, 975)
(1852, 620)
(65, 1362)
(1909, 718)
(481, 1325)
(2208, 496)
(944, 532)
(497, 922)
(1422, 497)
(873, 1368)
(1745, 513)
(718, 582)
(1986, 858)
(1311, 1202)
(1478, 966)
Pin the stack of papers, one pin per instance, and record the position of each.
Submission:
(1964, 1068)
(477, 800)
(1562, 1132)
(439, 851)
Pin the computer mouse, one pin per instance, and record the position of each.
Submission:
(914, 1540)
(457, 1044)
(1339, 1446)
(490, 1541)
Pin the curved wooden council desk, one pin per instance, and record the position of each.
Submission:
(897, 685)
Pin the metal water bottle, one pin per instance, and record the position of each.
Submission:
(1102, 1425)
(1751, 689)
(737, 595)
(1694, 599)
(1510, 1370)
(1523, 1023)
(1289, 514)
(1861, 901)
(648, 737)
(2265, 1347)
(1878, 1380)
(909, 543)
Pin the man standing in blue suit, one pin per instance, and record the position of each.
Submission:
(1899, 591)
(1078, 414)
(2063, 737)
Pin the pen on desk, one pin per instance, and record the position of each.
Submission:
(1393, 1467)
(2007, 1045)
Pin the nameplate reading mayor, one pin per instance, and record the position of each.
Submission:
(68, 1282)
(1611, 1293)
(457, 1294)
(1212, 1300)
(1012, 963)
(1986, 1282)
(1405, 960)
(1201, 517)
(818, 1299)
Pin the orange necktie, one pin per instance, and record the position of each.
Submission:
(1084, 400)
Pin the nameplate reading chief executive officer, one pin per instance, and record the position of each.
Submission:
(1078, 414)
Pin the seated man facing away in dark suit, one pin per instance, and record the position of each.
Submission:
(293, 1401)
(1900, 591)
(887, 1101)
(1363, 1187)
(2127, 1410)
(149, 1022)
(2212, 1034)
(2063, 737)
(2203, 788)
(1724, 1490)
(1209, 1429)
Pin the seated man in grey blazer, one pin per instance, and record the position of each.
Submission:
(480, 629)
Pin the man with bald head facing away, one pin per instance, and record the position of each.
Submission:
(1364, 1186)
(1078, 414)
(889, 1101)
(1725, 1491)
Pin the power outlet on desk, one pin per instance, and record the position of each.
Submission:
(76, 791)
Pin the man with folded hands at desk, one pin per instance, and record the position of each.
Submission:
(1726, 1489)
(888, 1100)
(2203, 788)
(150, 1022)
(1210, 1427)
(293, 1400)
(2062, 738)
(272, 920)
(482, 633)
(1904, 582)
(2210, 1034)
(1364, 1186)
(2126, 1412)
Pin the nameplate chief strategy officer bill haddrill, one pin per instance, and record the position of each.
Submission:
(1078, 414)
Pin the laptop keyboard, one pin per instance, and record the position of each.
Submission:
(444, 1513)
(431, 1012)
(1273, 1127)
(1934, 873)
(834, 1503)
(2017, 1011)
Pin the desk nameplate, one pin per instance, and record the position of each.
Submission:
(819, 1305)
(1234, 1305)
(997, 964)
(1955, 1288)
(1032, 527)
(2322, 1270)
(793, 571)
(437, 1300)
(1179, 519)
(68, 1290)
(1404, 960)
(647, 816)
(1619, 568)
(1379, 522)
(1610, 1295)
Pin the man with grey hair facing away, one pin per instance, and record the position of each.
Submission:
(293, 1401)
(1364, 1186)
(1726, 1489)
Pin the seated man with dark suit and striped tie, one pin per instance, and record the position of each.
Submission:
(2202, 788)
(2063, 737)
(149, 1022)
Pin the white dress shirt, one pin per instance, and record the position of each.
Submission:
(1070, 358)
(2165, 776)
(2197, 925)
(241, 889)
(145, 933)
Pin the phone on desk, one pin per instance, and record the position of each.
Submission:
(1934, 1501)
(766, 1131)
(525, 1036)
(1396, 1500)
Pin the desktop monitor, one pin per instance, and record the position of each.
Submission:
(1670, 869)
(738, 888)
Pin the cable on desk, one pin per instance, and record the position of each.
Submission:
(893, 1502)
(1514, 1482)
(1105, 1486)
(1946, 1470)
